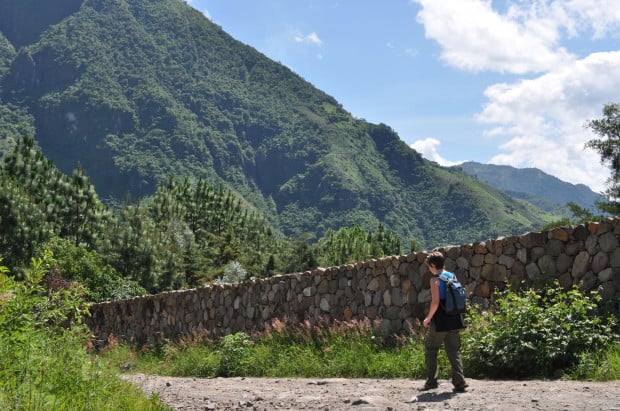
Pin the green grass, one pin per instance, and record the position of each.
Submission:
(598, 366)
(345, 350)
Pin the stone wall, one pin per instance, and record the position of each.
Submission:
(392, 292)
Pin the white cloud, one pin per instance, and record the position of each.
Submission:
(602, 17)
(428, 149)
(526, 37)
(543, 119)
(475, 37)
(311, 38)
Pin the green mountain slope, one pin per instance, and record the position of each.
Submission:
(533, 185)
(136, 90)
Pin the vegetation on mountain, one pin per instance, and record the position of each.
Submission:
(349, 245)
(15, 123)
(40, 202)
(7, 54)
(185, 235)
(136, 92)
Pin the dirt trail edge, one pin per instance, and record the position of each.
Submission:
(337, 394)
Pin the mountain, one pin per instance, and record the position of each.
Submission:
(134, 91)
(533, 185)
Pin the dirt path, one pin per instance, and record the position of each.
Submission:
(338, 394)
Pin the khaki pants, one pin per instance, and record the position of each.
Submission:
(452, 341)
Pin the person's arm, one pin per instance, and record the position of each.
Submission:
(434, 301)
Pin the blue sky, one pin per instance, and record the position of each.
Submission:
(500, 82)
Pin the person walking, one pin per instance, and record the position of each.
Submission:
(443, 329)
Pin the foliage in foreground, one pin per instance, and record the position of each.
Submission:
(43, 361)
(528, 335)
(535, 333)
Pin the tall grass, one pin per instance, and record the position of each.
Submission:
(598, 365)
(346, 350)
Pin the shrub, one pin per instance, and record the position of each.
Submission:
(87, 267)
(610, 308)
(233, 273)
(234, 349)
(534, 333)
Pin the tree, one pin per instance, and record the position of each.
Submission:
(23, 224)
(299, 256)
(131, 248)
(70, 204)
(351, 244)
(608, 146)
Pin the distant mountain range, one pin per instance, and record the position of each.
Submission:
(533, 185)
(135, 91)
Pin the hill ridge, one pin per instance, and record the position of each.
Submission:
(542, 189)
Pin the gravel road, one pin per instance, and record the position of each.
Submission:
(338, 394)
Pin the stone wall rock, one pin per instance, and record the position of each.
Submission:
(392, 292)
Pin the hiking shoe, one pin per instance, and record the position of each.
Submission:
(429, 385)
(460, 388)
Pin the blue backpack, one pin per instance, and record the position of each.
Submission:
(455, 301)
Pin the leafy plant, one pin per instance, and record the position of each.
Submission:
(534, 333)
(234, 349)
(608, 147)
(234, 273)
(78, 264)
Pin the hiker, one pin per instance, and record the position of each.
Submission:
(442, 329)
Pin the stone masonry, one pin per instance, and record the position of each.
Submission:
(392, 292)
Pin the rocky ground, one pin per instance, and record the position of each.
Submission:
(337, 394)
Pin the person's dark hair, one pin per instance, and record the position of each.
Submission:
(435, 258)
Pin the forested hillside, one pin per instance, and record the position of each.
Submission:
(136, 91)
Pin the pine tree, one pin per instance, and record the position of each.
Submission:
(70, 204)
